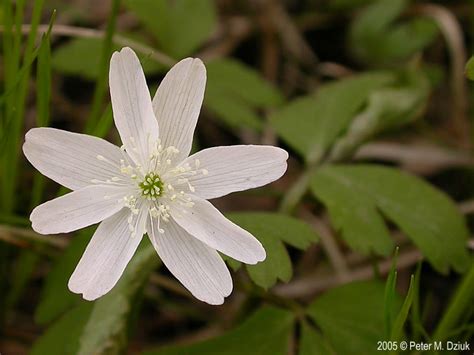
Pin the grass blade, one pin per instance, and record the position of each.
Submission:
(43, 97)
(102, 78)
(397, 327)
(12, 151)
(460, 303)
(390, 294)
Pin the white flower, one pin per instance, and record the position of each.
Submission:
(150, 185)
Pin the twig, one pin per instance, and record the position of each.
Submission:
(8, 238)
(418, 158)
(453, 35)
(329, 245)
(169, 285)
(269, 62)
(8, 232)
(334, 70)
(82, 32)
(466, 207)
(202, 334)
(310, 285)
(290, 35)
(227, 38)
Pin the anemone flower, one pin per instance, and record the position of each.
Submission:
(150, 185)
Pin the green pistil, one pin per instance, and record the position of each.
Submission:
(151, 186)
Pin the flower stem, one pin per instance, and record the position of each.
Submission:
(296, 192)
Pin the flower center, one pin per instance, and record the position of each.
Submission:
(151, 186)
(167, 183)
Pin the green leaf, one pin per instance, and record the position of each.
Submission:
(56, 298)
(313, 343)
(397, 327)
(180, 26)
(100, 327)
(377, 39)
(387, 108)
(232, 111)
(470, 68)
(43, 82)
(81, 57)
(459, 306)
(390, 294)
(24, 266)
(43, 101)
(416, 322)
(351, 317)
(265, 332)
(311, 124)
(353, 214)
(63, 336)
(105, 330)
(234, 92)
(272, 229)
(238, 79)
(354, 194)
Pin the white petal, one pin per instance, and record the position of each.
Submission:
(236, 168)
(204, 222)
(177, 103)
(131, 104)
(70, 159)
(77, 209)
(107, 255)
(199, 268)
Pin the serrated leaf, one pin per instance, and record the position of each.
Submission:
(277, 265)
(376, 37)
(351, 317)
(180, 26)
(105, 330)
(272, 229)
(311, 124)
(423, 213)
(234, 92)
(81, 57)
(56, 298)
(470, 68)
(265, 332)
(354, 215)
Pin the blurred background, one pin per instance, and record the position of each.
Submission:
(368, 235)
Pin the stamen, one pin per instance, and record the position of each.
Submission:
(151, 186)
(149, 192)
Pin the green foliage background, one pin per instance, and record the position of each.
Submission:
(369, 234)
